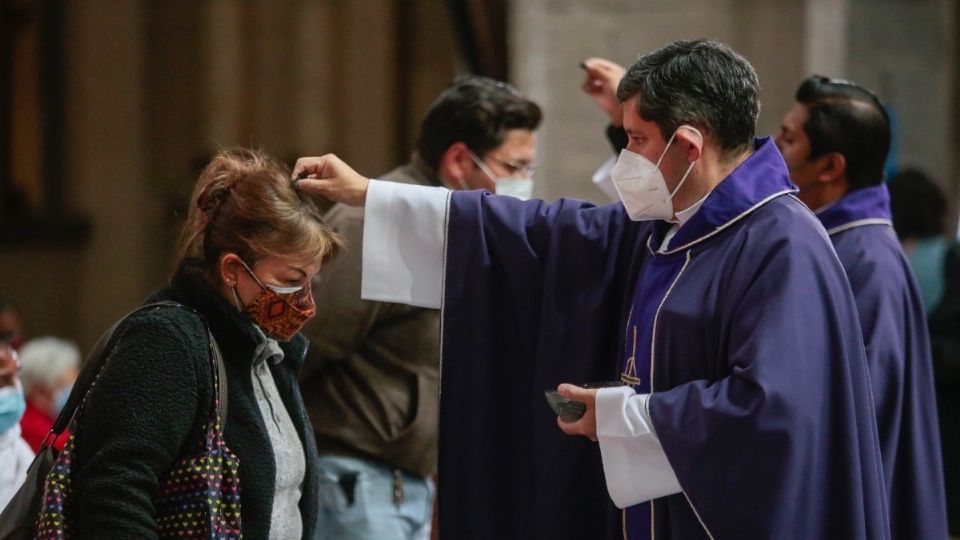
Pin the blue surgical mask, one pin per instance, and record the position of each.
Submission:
(61, 400)
(12, 406)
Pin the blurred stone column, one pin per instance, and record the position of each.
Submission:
(313, 81)
(365, 119)
(769, 35)
(174, 82)
(106, 158)
(272, 27)
(550, 37)
(224, 50)
(903, 49)
(825, 42)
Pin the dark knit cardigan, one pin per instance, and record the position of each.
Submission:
(151, 405)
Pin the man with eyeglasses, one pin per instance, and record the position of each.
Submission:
(834, 141)
(371, 377)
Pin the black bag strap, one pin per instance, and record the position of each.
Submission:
(98, 356)
(222, 383)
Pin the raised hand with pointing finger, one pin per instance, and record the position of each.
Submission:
(603, 76)
(330, 177)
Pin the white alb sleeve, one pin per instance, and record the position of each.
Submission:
(604, 181)
(403, 242)
(634, 463)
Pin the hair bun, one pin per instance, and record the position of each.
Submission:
(212, 197)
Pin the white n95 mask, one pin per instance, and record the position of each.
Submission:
(641, 185)
(521, 188)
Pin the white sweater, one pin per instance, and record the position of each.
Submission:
(15, 458)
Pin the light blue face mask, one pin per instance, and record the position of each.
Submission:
(12, 406)
(61, 400)
(927, 262)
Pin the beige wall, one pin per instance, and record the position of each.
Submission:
(550, 37)
(107, 159)
(45, 283)
(904, 49)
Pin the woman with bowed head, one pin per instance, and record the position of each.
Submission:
(249, 248)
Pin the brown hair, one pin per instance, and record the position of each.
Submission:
(245, 203)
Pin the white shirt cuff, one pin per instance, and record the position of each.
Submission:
(634, 463)
(604, 181)
(403, 243)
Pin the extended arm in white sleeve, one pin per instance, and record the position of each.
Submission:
(634, 463)
(403, 242)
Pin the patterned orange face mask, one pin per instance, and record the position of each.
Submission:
(279, 311)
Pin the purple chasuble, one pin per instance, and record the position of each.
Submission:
(760, 393)
(898, 357)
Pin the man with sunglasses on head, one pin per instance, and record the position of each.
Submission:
(834, 141)
(372, 375)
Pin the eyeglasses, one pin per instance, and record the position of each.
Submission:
(515, 168)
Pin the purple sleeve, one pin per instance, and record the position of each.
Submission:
(533, 297)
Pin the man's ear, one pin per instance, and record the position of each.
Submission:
(831, 167)
(691, 142)
(455, 163)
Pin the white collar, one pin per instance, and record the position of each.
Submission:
(825, 207)
(684, 215)
(681, 217)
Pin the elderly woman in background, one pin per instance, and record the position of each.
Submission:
(49, 367)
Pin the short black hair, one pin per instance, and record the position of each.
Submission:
(918, 204)
(849, 119)
(478, 111)
(702, 83)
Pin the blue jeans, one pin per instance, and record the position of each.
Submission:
(359, 500)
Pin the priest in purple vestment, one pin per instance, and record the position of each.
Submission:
(709, 290)
(835, 141)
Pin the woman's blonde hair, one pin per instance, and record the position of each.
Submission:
(245, 203)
